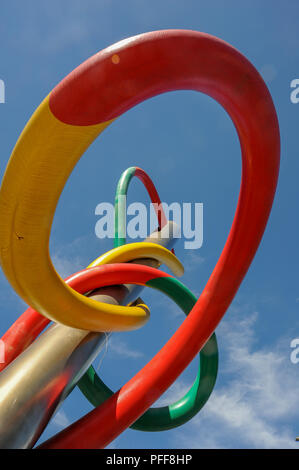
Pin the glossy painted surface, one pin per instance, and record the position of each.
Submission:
(178, 413)
(74, 114)
(34, 385)
(171, 60)
(122, 190)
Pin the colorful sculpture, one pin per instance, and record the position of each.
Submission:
(63, 126)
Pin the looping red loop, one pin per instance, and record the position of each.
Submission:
(150, 64)
(81, 107)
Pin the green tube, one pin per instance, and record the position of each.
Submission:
(121, 190)
(178, 413)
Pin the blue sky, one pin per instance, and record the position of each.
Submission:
(188, 145)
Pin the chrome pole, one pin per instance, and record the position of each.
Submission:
(35, 384)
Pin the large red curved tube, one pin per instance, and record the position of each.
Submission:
(150, 64)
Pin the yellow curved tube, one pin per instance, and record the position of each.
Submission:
(34, 179)
(125, 253)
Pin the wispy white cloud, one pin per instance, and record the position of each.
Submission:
(71, 23)
(8, 294)
(58, 33)
(167, 307)
(255, 406)
(193, 259)
(65, 266)
(60, 419)
(121, 348)
(117, 347)
(73, 256)
(268, 72)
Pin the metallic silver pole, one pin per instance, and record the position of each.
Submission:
(34, 385)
